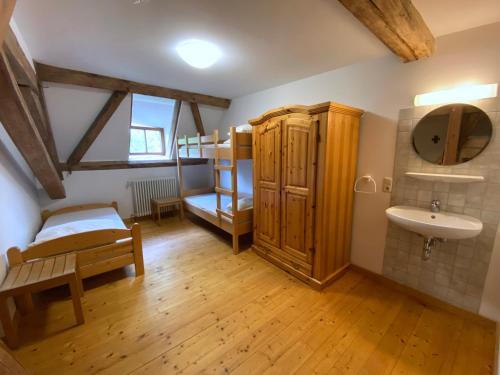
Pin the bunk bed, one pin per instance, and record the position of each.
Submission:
(226, 208)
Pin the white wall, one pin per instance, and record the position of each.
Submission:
(382, 87)
(20, 213)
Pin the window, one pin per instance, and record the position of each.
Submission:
(147, 141)
(152, 127)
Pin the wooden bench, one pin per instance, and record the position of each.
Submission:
(26, 278)
(158, 204)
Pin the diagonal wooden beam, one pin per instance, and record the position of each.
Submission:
(48, 128)
(17, 121)
(55, 74)
(23, 71)
(6, 10)
(96, 127)
(397, 23)
(38, 114)
(197, 118)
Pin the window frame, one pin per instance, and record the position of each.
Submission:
(144, 128)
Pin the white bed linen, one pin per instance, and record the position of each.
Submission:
(208, 202)
(79, 222)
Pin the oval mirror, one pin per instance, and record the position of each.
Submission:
(452, 134)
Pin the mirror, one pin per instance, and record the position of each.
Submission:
(452, 134)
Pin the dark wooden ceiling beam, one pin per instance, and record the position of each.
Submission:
(23, 71)
(96, 127)
(110, 165)
(48, 128)
(197, 118)
(19, 124)
(397, 23)
(6, 10)
(38, 114)
(55, 74)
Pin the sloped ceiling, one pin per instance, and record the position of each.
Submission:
(265, 42)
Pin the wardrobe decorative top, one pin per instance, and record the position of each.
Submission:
(307, 110)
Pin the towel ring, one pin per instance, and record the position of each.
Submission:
(370, 180)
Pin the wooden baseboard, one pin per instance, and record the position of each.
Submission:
(425, 299)
(497, 352)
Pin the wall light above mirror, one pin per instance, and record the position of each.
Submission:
(460, 94)
(452, 134)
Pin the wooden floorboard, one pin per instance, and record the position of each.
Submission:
(200, 309)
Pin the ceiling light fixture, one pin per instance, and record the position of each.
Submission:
(199, 53)
(463, 93)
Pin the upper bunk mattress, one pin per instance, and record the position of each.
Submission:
(79, 222)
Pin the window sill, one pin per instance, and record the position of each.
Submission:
(148, 158)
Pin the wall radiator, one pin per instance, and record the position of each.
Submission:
(144, 190)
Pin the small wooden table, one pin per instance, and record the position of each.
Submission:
(158, 204)
(36, 276)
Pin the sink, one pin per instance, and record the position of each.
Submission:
(435, 224)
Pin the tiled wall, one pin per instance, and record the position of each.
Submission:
(456, 270)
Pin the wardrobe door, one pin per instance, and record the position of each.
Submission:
(298, 185)
(267, 151)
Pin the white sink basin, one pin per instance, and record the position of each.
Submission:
(435, 224)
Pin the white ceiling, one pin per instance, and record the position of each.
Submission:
(450, 16)
(265, 42)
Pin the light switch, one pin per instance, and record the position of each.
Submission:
(387, 185)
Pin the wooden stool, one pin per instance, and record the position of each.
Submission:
(26, 278)
(158, 204)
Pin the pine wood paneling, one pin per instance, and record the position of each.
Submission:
(318, 150)
(267, 182)
(298, 184)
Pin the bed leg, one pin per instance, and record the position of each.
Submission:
(24, 303)
(137, 245)
(236, 244)
(181, 210)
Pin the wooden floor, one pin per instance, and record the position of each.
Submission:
(200, 309)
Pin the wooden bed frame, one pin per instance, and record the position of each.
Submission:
(210, 147)
(97, 251)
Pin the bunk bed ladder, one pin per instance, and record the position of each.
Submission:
(234, 181)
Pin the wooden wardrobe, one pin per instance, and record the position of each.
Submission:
(304, 166)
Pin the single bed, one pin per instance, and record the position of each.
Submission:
(95, 232)
(211, 203)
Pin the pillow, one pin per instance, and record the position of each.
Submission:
(245, 128)
(243, 203)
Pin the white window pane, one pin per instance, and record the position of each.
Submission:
(154, 141)
(137, 141)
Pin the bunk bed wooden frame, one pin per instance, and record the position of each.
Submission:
(98, 251)
(237, 222)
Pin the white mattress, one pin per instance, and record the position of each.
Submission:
(208, 202)
(208, 145)
(79, 222)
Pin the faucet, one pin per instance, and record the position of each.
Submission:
(435, 205)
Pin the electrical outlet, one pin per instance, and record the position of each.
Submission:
(387, 185)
